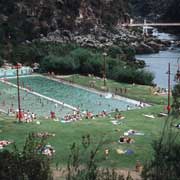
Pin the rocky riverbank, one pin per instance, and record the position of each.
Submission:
(103, 38)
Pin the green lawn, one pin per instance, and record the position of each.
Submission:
(99, 128)
(137, 92)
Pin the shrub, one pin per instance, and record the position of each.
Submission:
(82, 163)
(114, 51)
(131, 75)
(26, 164)
(93, 66)
(166, 160)
(129, 51)
(176, 100)
(59, 65)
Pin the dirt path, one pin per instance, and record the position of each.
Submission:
(60, 174)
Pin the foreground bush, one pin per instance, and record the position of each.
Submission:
(83, 160)
(27, 164)
(166, 160)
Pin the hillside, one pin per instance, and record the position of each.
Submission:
(23, 19)
(156, 10)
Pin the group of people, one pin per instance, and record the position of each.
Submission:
(141, 105)
(4, 143)
(26, 116)
(158, 90)
(90, 115)
(47, 150)
(43, 134)
(119, 116)
(78, 116)
(72, 117)
(121, 90)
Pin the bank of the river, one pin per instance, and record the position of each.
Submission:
(158, 62)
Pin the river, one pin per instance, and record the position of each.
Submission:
(158, 62)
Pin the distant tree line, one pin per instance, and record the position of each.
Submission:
(70, 59)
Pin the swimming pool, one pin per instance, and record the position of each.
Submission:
(25, 70)
(74, 96)
(35, 104)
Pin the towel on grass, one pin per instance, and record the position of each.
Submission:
(149, 116)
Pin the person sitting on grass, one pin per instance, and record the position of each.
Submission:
(119, 116)
(125, 139)
(89, 115)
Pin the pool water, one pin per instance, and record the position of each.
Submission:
(13, 72)
(35, 104)
(76, 97)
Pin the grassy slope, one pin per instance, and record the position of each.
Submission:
(66, 134)
(99, 128)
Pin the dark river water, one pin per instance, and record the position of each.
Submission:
(158, 63)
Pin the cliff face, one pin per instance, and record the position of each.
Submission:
(24, 19)
(172, 13)
(158, 10)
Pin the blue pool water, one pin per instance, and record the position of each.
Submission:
(76, 97)
(29, 102)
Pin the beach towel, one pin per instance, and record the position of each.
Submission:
(129, 152)
(116, 122)
(149, 116)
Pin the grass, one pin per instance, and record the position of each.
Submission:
(100, 128)
(137, 92)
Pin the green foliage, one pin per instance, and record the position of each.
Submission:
(27, 164)
(24, 54)
(176, 100)
(80, 169)
(36, 51)
(83, 61)
(129, 52)
(166, 161)
(78, 61)
(70, 58)
(115, 51)
(131, 75)
(59, 65)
